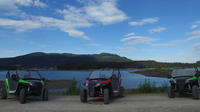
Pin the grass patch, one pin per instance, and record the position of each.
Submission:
(72, 89)
(148, 87)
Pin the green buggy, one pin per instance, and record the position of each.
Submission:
(23, 84)
(184, 81)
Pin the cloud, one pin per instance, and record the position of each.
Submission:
(73, 20)
(130, 38)
(75, 16)
(130, 34)
(105, 12)
(137, 40)
(11, 7)
(171, 43)
(193, 38)
(144, 21)
(196, 47)
(76, 33)
(13, 4)
(157, 30)
(195, 24)
(20, 25)
(37, 3)
(196, 32)
(65, 25)
(194, 35)
(40, 22)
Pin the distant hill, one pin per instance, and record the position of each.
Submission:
(47, 60)
(66, 61)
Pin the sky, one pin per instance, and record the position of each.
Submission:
(161, 30)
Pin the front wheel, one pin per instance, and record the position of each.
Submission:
(121, 94)
(22, 96)
(171, 93)
(195, 92)
(83, 95)
(45, 95)
(106, 96)
(3, 93)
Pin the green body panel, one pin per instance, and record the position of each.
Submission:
(172, 79)
(19, 81)
(24, 81)
(7, 86)
(192, 78)
(189, 79)
(189, 90)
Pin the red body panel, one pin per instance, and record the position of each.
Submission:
(106, 81)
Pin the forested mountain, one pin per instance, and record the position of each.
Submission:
(49, 60)
(66, 61)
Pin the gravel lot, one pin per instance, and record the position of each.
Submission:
(130, 103)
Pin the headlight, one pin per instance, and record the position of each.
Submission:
(98, 84)
(31, 84)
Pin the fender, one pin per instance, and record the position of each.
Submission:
(84, 86)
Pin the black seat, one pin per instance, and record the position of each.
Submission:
(115, 82)
(13, 81)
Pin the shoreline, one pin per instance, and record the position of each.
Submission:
(163, 73)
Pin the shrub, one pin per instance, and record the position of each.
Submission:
(148, 87)
(72, 89)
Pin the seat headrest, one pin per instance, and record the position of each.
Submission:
(14, 76)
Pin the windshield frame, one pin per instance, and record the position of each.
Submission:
(102, 70)
(99, 71)
(30, 73)
(173, 74)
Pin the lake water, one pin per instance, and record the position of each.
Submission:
(129, 80)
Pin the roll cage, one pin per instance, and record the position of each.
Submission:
(118, 74)
(16, 75)
(181, 71)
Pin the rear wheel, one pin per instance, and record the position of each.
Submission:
(106, 96)
(195, 92)
(45, 95)
(121, 94)
(171, 93)
(3, 93)
(22, 96)
(83, 95)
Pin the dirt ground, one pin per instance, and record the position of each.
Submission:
(130, 103)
